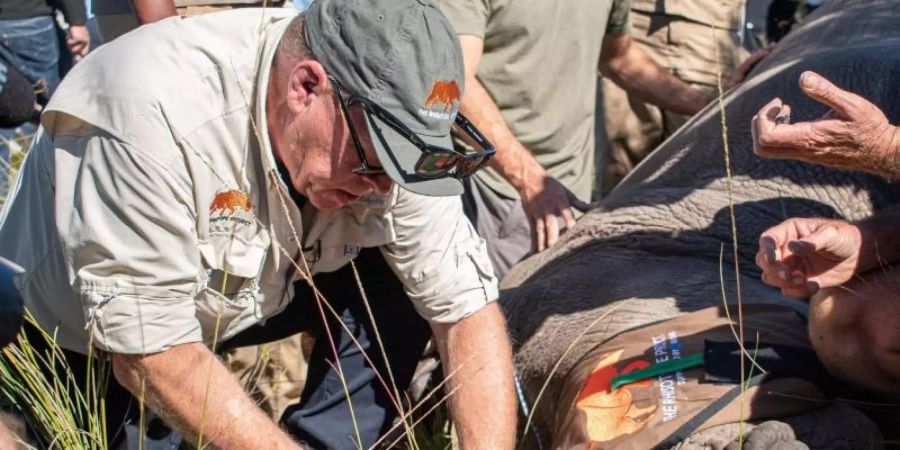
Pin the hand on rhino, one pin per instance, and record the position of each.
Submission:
(800, 256)
(854, 134)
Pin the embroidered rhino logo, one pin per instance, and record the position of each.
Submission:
(230, 201)
(443, 93)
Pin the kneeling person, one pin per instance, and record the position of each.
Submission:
(205, 183)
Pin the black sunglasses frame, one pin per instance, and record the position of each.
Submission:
(457, 158)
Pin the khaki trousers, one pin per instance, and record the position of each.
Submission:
(114, 25)
(685, 48)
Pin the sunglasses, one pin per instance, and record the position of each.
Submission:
(436, 161)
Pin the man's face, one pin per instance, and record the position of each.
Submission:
(322, 156)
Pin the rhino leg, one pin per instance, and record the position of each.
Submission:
(837, 427)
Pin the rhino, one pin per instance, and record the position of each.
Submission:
(655, 248)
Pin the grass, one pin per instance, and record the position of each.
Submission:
(59, 413)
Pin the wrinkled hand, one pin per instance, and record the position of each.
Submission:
(800, 256)
(78, 40)
(546, 201)
(854, 134)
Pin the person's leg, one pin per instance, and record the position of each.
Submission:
(501, 222)
(31, 47)
(323, 418)
(33, 44)
(273, 373)
(855, 330)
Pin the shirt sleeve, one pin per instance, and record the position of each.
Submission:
(467, 16)
(127, 230)
(619, 20)
(439, 257)
(73, 10)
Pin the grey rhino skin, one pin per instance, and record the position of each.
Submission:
(651, 249)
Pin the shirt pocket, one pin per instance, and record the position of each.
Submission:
(233, 263)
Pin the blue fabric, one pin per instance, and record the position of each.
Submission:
(31, 46)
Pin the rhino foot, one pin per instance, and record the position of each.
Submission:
(837, 427)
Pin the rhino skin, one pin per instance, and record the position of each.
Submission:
(651, 249)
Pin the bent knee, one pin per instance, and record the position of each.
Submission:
(855, 331)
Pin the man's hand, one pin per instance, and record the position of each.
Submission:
(78, 40)
(801, 256)
(548, 205)
(854, 134)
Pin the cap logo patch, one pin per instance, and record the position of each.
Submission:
(443, 93)
(229, 202)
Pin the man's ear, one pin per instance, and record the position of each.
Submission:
(307, 81)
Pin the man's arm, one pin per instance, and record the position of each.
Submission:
(149, 11)
(192, 391)
(544, 199)
(630, 68)
(478, 362)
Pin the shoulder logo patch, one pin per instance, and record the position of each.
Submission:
(229, 202)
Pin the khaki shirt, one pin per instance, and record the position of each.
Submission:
(694, 39)
(540, 67)
(149, 211)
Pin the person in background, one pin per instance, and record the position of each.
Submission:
(117, 17)
(28, 43)
(693, 40)
(782, 15)
(531, 79)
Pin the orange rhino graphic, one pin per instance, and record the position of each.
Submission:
(230, 201)
(611, 414)
(443, 93)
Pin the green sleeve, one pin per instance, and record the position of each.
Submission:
(618, 17)
(466, 16)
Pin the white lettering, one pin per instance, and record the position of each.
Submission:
(667, 398)
(434, 114)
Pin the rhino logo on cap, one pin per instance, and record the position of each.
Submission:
(444, 93)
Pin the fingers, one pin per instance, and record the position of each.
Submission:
(775, 137)
(552, 228)
(76, 47)
(539, 232)
(568, 218)
(817, 87)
